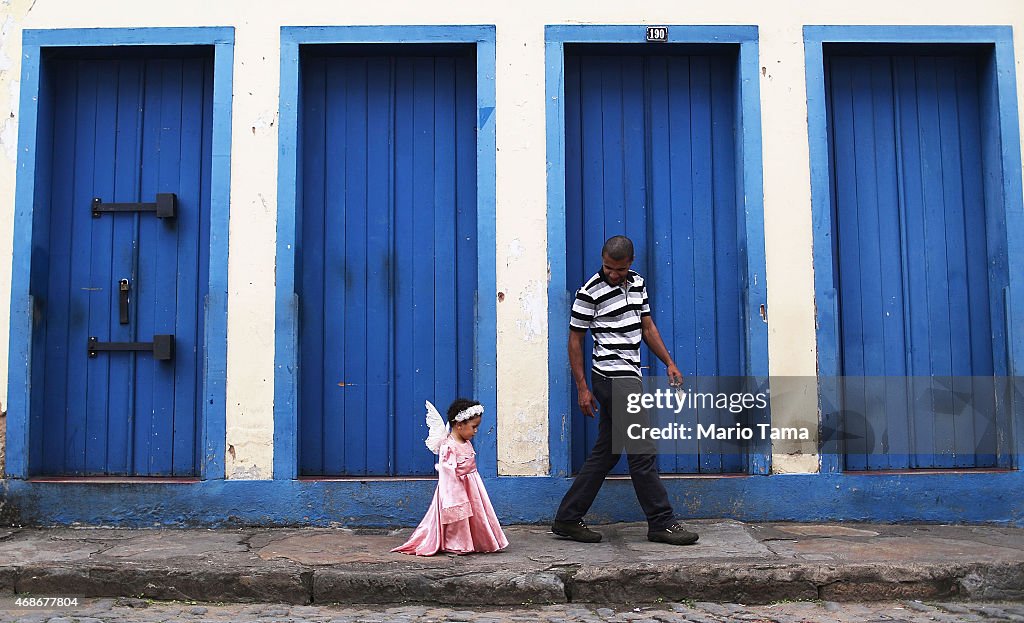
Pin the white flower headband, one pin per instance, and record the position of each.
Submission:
(437, 428)
(469, 413)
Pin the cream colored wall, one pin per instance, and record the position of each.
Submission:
(521, 194)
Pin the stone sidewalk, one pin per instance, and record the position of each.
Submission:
(732, 562)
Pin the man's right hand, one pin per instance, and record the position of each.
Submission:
(588, 404)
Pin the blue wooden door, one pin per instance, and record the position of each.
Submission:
(920, 294)
(120, 129)
(650, 153)
(386, 254)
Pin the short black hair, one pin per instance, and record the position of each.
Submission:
(618, 248)
(458, 406)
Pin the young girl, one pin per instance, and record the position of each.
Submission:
(460, 519)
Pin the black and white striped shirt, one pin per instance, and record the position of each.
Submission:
(612, 313)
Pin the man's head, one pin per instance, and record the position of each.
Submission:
(616, 258)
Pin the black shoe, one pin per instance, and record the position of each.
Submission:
(673, 535)
(576, 530)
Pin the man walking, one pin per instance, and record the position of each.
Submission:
(613, 305)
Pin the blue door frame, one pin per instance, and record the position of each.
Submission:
(748, 146)
(1002, 190)
(34, 44)
(286, 355)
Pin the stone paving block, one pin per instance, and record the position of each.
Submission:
(990, 611)
(994, 581)
(244, 585)
(432, 586)
(918, 606)
(888, 582)
(754, 584)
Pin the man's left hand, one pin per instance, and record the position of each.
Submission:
(675, 377)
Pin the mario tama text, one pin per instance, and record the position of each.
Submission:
(716, 432)
(675, 400)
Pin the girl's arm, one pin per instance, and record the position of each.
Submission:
(451, 493)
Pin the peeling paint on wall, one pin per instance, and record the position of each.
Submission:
(5, 60)
(532, 323)
(525, 447)
(515, 251)
(794, 463)
(529, 448)
(251, 472)
(9, 127)
(267, 121)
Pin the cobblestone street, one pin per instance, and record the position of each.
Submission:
(144, 611)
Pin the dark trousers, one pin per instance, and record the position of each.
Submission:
(643, 467)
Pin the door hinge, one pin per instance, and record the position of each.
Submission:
(162, 347)
(165, 206)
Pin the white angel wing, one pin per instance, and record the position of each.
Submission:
(437, 430)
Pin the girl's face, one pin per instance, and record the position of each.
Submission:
(467, 428)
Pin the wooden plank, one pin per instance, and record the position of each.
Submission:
(985, 337)
(466, 225)
(971, 425)
(38, 284)
(727, 305)
(954, 426)
(166, 279)
(360, 404)
(704, 257)
(843, 113)
(58, 295)
(316, 137)
(84, 167)
(893, 394)
(126, 188)
(380, 315)
(213, 280)
(867, 272)
(145, 270)
(189, 352)
(912, 189)
(680, 197)
(661, 270)
(445, 301)
(633, 135)
(593, 211)
(425, 267)
(577, 267)
(936, 260)
(613, 178)
(405, 446)
(102, 294)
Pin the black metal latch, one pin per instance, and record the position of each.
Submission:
(165, 206)
(162, 347)
(124, 287)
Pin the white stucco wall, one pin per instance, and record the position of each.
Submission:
(521, 176)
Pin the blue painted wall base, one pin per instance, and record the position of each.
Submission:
(989, 497)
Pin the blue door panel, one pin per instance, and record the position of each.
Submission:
(124, 128)
(650, 152)
(912, 256)
(386, 256)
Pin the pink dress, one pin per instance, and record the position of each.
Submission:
(460, 519)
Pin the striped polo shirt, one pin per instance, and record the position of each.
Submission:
(612, 313)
